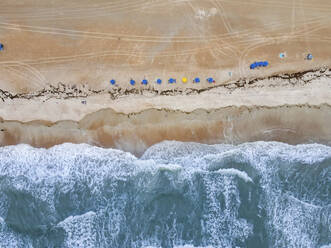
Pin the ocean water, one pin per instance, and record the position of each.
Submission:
(184, 195)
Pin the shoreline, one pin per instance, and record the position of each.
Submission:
(136, 132)
(292, 109)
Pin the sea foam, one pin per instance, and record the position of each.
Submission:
(177, 194)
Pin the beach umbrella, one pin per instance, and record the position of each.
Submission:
(252, 66)
(260, 63)
(265, 63)
(132, 82)
(112, 81)
(210, 80)
(197, 80)
(256, 64)
(184, 80)
(145, 82)
(309, 56)
(282, 55)
(158, 81)
(1, 47)
(172, 80)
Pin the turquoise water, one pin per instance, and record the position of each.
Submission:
(262, 194)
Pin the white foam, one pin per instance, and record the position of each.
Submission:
(10, 239)
(80, 231)
(185, 168)
(235, 172)
(191, 246)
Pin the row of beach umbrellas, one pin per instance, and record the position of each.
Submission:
(170, 81)
(259, 64)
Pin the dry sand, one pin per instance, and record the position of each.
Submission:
(62, 52)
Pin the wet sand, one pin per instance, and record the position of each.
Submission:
(136, 132)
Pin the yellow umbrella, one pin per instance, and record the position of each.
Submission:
(184, 80)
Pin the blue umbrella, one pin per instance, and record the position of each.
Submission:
(113, 81)
(309, 56)
(197, 80)
(210, 80)
(158, 81)
(145, 82)
(252, 66)
(265, 63)
(171, 81)
(260, 63)
(255, 64)
(132, 82)
(1, 46)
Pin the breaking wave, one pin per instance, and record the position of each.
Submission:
(184, 195)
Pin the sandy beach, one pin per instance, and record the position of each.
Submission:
(58, 60)
(272, 110)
